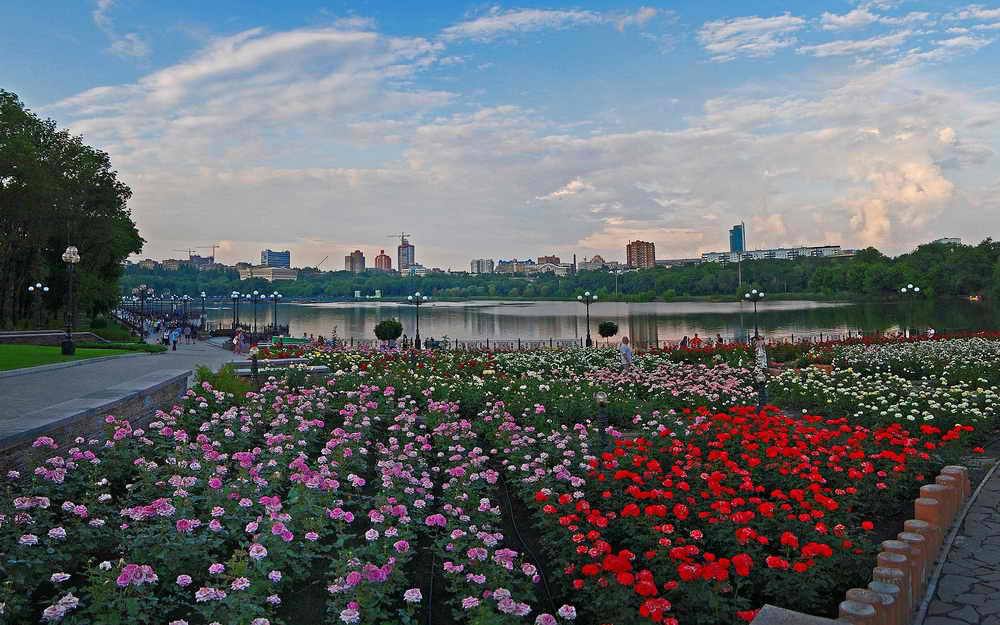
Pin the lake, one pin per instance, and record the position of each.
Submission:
(645, 323)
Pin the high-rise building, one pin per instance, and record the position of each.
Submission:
(482, 265)
(552, 260)
(640, 254)
(405, 255)
(272, 258)
(383, 262)
(737, 239)
(355, 262)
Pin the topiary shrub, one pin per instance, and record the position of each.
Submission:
(389, 330)
(607, 329)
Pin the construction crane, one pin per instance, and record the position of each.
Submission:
(212, 247)
(322, 261)
(402, 237)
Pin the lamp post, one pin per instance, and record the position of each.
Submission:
(235, 296)
(417, 299)
(911, 293)
(201, 320)
(71, 257)
(275, 296)
(142, 292)
(256, 296)
(601, 398)
(36, 290)
(587, 299)
(754, 296)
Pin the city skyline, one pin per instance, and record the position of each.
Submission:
(850, 123)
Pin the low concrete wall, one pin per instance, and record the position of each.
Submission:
(48, 337)
(137, 400)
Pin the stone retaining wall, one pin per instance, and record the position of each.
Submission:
(136, 400)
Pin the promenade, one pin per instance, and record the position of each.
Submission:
(33, 392)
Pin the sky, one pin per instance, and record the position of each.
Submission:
(519, 130)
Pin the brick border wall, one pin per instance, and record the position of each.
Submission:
(45, 338)
(903, 566)
(137, 401)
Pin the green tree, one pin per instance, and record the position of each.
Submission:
(389, 329)
(607, 329)
(56, 191)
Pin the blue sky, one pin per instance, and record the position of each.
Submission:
(525, 129)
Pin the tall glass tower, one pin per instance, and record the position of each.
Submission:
(737, 239)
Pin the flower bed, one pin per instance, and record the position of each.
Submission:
(473, 488)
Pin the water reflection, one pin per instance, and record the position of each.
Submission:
(645, 323)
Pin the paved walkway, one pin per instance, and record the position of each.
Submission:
(968, 590)
(32, 392)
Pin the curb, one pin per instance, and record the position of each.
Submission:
(13, 373)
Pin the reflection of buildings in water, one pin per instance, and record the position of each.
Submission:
(643, 331)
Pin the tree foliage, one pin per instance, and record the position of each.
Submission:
(56, 191)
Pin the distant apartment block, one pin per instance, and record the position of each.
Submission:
(482, 265)
(640, 254)
(778, 253)
(552, 260)
(948, 241)
(271, 274)
(148, 263)
(559, 269)
(272, 258)
(595, 263)
(355, 262)
(514, 266)
(383, 262)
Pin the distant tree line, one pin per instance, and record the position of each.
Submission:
(55, 191)
(939, 269)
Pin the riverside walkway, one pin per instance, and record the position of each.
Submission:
(32, 392)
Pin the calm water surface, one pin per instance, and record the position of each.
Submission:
(644, 323)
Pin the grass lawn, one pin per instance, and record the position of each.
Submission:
(17, 356)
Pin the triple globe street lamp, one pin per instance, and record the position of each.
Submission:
(37, 290)
(587, 299)
(417, 299)
(911, 293)
(274, 297)
(754, 296)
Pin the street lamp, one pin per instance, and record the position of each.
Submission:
(202, 321)
(601, 399)
(417, 299)
(754, 296)
(235, 295)
(256, 296)
(71, 257)
(275, 296)
(911, 293)
(37, 290)
(587, 299)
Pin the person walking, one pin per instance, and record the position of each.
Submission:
(718, 340)
(696, 341)
(187, 335)
(175, 335)
(237, 342)
(625, 354)
(685, 342)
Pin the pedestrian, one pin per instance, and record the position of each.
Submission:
(187, 335)
(930, 333)
(625, 354)
(237, 342)
(685, 342)
(718, 340)
(194, 334)
(244, 342)
(175, 335)
(165, 338)
(696, 341)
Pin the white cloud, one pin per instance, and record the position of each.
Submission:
(573, 187)
(965, 41)
(844, 47)
(858, 18)
(753, 36)
(497, 22)
(639, 18)
(129, 45)
(975, 12)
